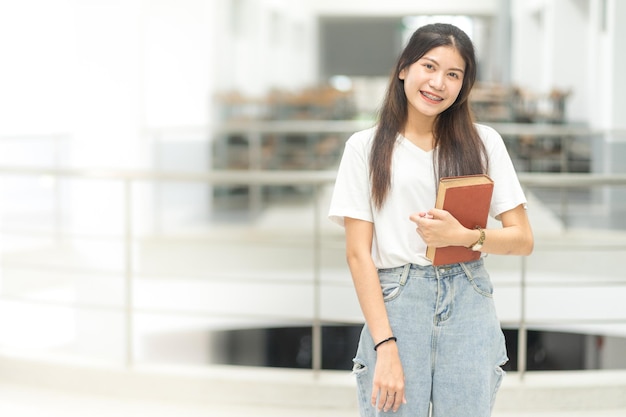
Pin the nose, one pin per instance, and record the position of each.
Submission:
(436, 82)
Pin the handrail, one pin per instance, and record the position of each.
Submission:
(295, 177)
(317, 179)
(350, 126)
(570, 180)
(215, 177)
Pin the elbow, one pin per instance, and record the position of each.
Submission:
(522, 247)
(526, 242)
(527, 246)
(354, 258)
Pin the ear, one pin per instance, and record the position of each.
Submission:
(402, 74)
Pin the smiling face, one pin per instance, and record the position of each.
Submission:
(433, 83)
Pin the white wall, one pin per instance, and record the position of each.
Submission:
(562, 44)
(264, 45)
(403, 7)
(179, 61)
(106, 82)
(36, 48)
(109, 75)
(617, 63)
(551, 46)
(103, 71)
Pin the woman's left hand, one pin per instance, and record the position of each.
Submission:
(438, 228)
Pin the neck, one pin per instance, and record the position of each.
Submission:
(419, 130)
(420, 123)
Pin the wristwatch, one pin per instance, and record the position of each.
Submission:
(479, 243)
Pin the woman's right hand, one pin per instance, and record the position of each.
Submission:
(388, 386)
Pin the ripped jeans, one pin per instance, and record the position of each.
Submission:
(449, 338)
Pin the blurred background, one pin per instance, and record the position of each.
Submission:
(166, 168)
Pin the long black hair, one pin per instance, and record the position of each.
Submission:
(459, 149)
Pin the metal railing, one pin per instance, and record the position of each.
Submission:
(318, 180)
(563, 182)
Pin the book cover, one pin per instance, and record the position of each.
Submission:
(468, 199)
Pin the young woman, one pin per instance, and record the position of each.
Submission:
(432, 338)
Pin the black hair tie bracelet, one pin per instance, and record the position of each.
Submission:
(389, 339)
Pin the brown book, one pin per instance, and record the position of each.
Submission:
(468, 199)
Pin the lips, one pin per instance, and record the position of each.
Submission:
(431, 97)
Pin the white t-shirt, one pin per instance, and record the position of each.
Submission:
(395, 242)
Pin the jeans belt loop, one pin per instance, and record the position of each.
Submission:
(405, 274)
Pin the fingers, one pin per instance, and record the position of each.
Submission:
(418, 219)
(391, 401)
(388, 400)
(428, 215)
(437, 213)
(374, 397)
(416, 216)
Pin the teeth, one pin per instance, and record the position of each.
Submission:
(430, 96)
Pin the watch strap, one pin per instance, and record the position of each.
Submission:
(481, 239)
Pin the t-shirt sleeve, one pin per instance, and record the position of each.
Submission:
(351, 194)
(507, 191)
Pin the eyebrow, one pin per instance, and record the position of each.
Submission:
(435, 61)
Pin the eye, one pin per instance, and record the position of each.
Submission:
(429, 66)
(454, 75)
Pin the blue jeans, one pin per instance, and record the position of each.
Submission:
(449, 338)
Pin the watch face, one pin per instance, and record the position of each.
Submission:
(477, 247)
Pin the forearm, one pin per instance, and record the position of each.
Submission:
(514, 238)
(369, 294)
(388, 379)
(359, 236)
(511, 240)
(439, 228)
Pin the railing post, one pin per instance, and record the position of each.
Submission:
(128, 273)
(564, 194)
(58, 195)
(522, 335)
(317, 321)
(255, 191)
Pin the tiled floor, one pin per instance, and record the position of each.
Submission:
(25, 401)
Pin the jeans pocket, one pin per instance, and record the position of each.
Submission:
(390, 284)
(480, 281)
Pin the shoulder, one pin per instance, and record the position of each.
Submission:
(362, 137)
(490, 137)
(362, 140)
(487, 133)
